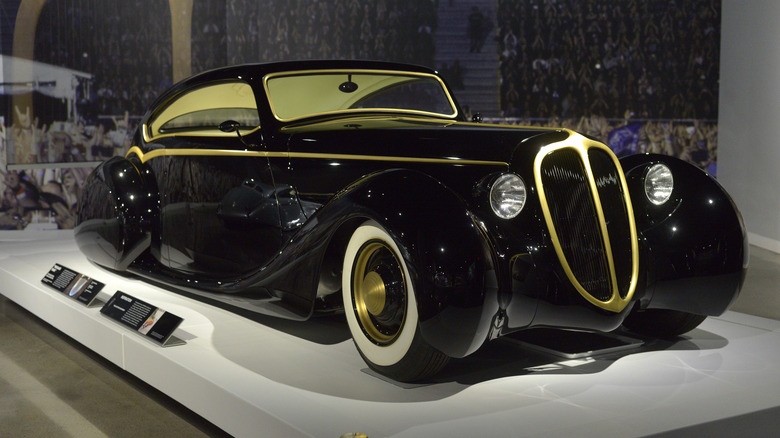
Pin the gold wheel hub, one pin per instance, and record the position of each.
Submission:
(378, 301)
(373, 293)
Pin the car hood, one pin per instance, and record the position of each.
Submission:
(419, 138)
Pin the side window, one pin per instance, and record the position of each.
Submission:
(199, 111)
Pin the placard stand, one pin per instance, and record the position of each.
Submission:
(75, 285)
(150, 321)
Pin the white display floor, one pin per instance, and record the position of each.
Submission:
(284, 378)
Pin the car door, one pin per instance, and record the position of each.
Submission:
(219, 215)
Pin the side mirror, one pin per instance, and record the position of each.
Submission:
(233, 126)
(229, 126)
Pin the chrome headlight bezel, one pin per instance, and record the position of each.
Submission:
(659, 184)
(508, 195)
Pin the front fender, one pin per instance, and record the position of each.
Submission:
(448, 254)
(695, 245)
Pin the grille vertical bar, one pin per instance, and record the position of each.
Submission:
(613, 203)
(574, 216)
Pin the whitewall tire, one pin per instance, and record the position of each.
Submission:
(381, 309)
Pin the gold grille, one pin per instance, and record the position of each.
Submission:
(588, 212)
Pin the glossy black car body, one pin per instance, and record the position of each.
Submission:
(387, 213)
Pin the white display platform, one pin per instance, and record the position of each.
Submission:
(286, 378)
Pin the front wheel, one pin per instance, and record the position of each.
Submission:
(381, 309)
(662, 323)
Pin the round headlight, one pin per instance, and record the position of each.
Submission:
(507, 196)
(659, 183)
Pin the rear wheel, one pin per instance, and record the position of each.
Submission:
(662, 323)
(381, 308)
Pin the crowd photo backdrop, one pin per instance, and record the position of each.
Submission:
(77, 75)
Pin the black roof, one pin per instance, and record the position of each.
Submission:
(256, 71)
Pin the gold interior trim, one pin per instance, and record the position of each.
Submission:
(397, 73)
(582, 144)
(362, 118)
(212, 133)
(228, 93)
(146, 156)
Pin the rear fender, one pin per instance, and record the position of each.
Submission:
(119, 205)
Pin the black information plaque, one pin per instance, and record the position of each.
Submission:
(77, 286)
(150, 321)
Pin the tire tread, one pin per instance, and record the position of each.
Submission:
(422, 361)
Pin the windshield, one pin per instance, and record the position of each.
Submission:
(295, 95)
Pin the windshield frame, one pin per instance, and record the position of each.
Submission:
(347, 72)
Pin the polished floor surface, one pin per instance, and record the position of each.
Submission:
(51, 386)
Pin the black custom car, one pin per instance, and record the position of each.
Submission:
(302, 187)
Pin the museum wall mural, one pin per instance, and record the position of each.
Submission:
(76, 75)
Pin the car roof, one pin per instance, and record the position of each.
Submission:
(254, 72)
(259, 70)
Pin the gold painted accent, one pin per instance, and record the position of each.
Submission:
(582, 144)
(393, 77)
(374, 293)
(144, 157)
(366, 291)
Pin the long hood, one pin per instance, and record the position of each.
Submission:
(419, 138)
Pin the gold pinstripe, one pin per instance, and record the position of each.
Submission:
(146, 156)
